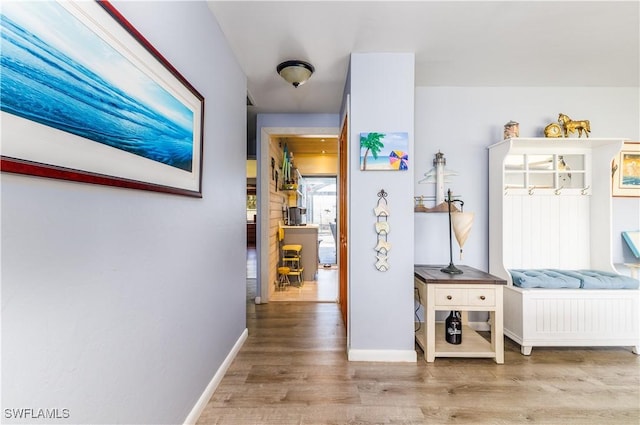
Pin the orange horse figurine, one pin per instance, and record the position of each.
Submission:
(571, 126)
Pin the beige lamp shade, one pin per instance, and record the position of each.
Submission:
(461, 223)
(295, 72)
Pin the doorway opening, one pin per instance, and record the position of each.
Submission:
(321, 205)
(294, 163)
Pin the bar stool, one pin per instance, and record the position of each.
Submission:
(283, 278)
(291, 258)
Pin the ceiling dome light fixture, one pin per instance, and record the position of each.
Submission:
(295, 72)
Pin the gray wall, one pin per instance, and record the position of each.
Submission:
(463, 121)
(381, 303)
(121, 305)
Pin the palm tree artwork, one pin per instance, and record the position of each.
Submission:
(371, 143)
(384, 151)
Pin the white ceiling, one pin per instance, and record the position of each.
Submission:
(456, 43)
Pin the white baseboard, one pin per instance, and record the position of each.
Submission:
(382, 355)
(195, 413)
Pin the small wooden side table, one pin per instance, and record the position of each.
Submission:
(473, 290)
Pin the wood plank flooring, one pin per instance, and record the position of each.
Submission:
(293, 370)
(324, 289)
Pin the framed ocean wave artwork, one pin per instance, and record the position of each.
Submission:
(85, 97)
(625, 171)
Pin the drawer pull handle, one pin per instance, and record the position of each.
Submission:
(449, 297)
(482, 297)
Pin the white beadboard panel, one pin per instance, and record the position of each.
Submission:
(574, 231)
(546, 231)
(549, 227)
(606, 315)
(511, 209)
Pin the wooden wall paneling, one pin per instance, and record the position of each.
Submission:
(276, 199)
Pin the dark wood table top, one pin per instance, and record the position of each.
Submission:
(432, 274)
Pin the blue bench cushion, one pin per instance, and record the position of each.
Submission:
(594, 279)
(543, 278)
(587, 279)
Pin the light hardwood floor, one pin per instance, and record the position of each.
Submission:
(323, 289)
(293, 369)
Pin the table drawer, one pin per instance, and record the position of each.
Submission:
(482, 296)
(450, 296)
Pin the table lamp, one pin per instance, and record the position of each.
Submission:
(460, 223)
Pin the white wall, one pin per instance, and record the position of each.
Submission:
(121, 305)
(381, 303)
(295, 121)
(463, 121)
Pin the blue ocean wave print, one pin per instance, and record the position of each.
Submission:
(65, 81)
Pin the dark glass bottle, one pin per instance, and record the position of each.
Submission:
(453, 328)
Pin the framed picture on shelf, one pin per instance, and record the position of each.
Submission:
(85, 97)
(625, 171)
